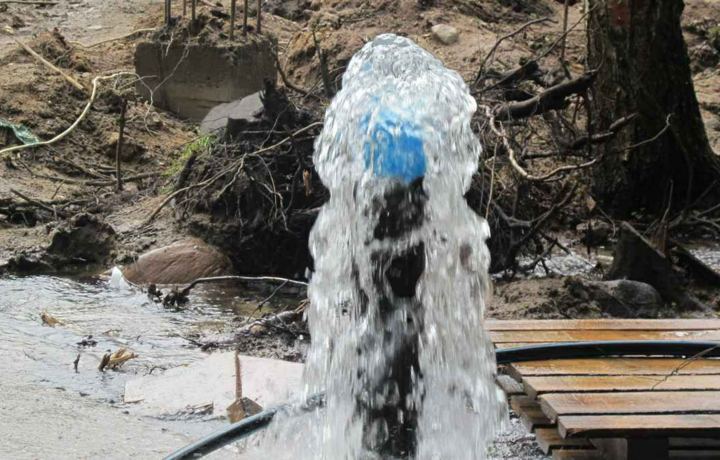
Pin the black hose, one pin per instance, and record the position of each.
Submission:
(570, 350)
(579, 350)
(240, 430)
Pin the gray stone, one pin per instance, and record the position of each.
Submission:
(179, 263)
(712, 123)
(618, 298)
(445, 34)
(85, 238)
(243, 109)
(198, 77)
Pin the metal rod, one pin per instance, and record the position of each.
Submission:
(571, 350)
(259, 16)
(245, 17)
(119, 147)
(232, 19)
(192, 12)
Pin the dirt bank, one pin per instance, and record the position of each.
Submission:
(157, 144)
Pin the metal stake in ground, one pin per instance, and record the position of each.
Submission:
(118, 151)
(192, 12)
(259, 16)
(323, 68)
(245, 16)
(232, 19)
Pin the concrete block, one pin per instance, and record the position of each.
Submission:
(190, 80)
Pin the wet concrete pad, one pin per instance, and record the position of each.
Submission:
(211, 381)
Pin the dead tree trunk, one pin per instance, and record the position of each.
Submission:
(642, 62)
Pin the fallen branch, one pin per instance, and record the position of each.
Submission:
(82, 169)
(47, 64)
(98, 183)
(231, 168)
(72, 127)
(551, 99)
(215, 279)
(536, 226)
(534, 62)
(500, 40)
(285, 79)
(25, 2)
(520, 170)
(131, 34)
(612, 131)
(523, 72)
(34, 202)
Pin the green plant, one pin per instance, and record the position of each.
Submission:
(201, 146)
(714, 37)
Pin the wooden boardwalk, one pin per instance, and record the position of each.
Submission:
(627, 408)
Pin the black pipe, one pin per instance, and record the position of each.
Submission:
(569, 350)
(579, 350)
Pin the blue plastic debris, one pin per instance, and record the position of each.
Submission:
(395, 148)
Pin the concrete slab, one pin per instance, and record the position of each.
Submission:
(191, 79)
(209, 384)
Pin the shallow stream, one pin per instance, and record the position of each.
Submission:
(48, 410)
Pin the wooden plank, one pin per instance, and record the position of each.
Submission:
(532, 417)
(565, 454)
(602, 335)
(509, 385)
(516, 402)
(694, 455)
(561, 404)
(535, 386)
(627, 366)
(603, 324)
(711, 443)
(502, 346)
(643, 426)
(633, 449)
(549, 439)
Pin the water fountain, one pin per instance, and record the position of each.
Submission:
(400, 272)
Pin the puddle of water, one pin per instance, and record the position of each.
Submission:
(708, 253)
(580, 263)
(39, 382)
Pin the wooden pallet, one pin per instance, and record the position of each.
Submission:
(615, 408)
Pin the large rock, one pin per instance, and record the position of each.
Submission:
(635, 258)
(445, 34)
(618, 298)
(84, 238)
(179, 263)
(243, 110)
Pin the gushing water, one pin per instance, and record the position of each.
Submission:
(400, 277)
